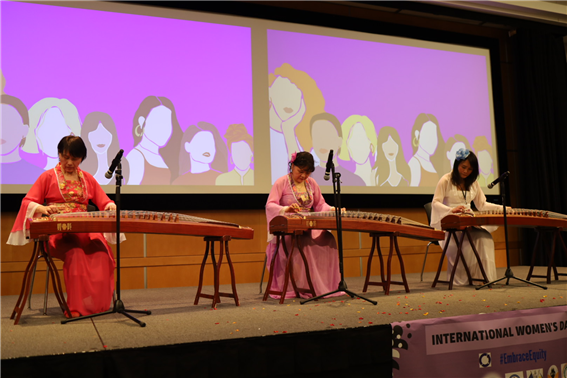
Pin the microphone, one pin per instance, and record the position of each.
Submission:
(114, 164)
(329, 166)
(503, 176)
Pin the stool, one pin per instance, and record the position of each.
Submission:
(40, 250)
(385, 283)
(551, 264)
(288, 275)
(453, 234)
(223, 242)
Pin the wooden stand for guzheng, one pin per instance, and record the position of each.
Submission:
(376, 225)
(223, 243)
(557, 239)
(527, 218)
(387, 280)
(145, 222)
(40, 250)
(288, 274)
(459, 257)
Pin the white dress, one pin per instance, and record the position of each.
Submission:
(448, 196)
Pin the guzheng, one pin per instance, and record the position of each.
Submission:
(137, 221)
(514, 217)
(356, 221)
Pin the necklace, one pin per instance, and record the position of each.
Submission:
(464, 191)
(151, 152)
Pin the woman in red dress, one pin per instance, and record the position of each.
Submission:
(88, 264)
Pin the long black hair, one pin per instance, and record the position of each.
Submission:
(473, 161)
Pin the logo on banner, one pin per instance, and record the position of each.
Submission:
(535, 373)
(484, 360)
(553, 372)
(518, 374)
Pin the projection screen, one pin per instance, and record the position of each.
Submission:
(209, 103)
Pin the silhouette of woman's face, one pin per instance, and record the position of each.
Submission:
(484, 162)
(100, 139)
(428, 137)
(451, 153)
(285, 97)
(202, 147)
(390, 148)
(51, 131)
(13, 129)
(358, 144)
(159, 126)
(241, 155)
(325, 138)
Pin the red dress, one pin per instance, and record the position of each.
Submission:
(88, 264)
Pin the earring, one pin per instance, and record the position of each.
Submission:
(139, 133)
(415, 141)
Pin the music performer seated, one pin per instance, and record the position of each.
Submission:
(297, 192)
(88, 262)
(453, 195)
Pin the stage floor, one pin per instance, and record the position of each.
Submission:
(175, 320)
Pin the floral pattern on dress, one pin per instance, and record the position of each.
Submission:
(73, 191)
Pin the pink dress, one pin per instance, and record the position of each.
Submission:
(88, 264)
(319, 246)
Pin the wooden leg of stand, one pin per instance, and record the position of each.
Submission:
(379, 251)
(403, 271)
(271, 275)
(457, 258)
(534, 253)
(288, 269)
(479, 261)
(200, 287)
(551, 264)
(216, 294)
(226, 239)
(311, 289)
(55, 280)
(389, 268)
(369, 265)
(26, 284)
(560, 238)
(442, 258)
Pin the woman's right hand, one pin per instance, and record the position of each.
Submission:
(459, 209)
(47, 210)
(293, 208)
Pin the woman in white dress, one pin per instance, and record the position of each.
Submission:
(453, 195)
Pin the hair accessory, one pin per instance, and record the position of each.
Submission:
(293, 156)
(462, 154)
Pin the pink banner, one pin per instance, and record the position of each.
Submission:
(514, 344)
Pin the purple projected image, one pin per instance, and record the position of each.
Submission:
(129, 82)
(394, 115)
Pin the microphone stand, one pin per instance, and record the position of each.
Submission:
(118, 306)
(338, 209)
(509, 274)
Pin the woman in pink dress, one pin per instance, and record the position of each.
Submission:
(88, 264)
(297, 192)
